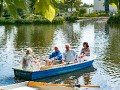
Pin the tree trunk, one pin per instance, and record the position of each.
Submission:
(1, 8)
(119, 5)
(71, 6)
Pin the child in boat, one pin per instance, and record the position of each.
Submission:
(55, 57)
(85, 52)
(28, 59)
(69, 55)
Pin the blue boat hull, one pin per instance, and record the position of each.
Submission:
(51, 72)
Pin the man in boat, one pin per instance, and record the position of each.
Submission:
(85, 52)
(55, 57)
(69, 55)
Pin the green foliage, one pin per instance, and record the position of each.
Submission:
(6, 21)
(114, 20)
(20, 4)
(43, 7)
(46, 8)
(1, 7)
(118, 12)
(32, 20)
(86, 5)
(82, 11)
(94, 14)
(13, 5)
(73, 4)
(116, 2)
(71, 19)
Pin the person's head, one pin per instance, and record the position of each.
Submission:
(67, 46)
(85, 45)
(56, 48)
(29, 51)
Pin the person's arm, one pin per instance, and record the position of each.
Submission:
(63, 56)
(32, 58)
(88, 51)
(81, 54)
(51, 55)
(59, 56)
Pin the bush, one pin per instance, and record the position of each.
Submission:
(95, 14)
(6, 21)
(71, 19)
(114, 19)
(82, 11)
(57, 20)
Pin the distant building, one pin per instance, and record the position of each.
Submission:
(99, 5)
(73, 10)
(89, 10)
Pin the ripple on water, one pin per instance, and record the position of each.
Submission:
(41, 38)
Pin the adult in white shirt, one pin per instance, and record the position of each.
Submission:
(69, 55)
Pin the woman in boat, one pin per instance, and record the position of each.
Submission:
(85, 52)
(69, 55)
(28, 59)
(55, 57)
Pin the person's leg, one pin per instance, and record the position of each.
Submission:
(86, 58)
(48, 62)
(82, 59)
(54, 62)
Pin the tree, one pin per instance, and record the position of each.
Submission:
(43, 7)
(12, 6)
(116, 2)
(73, 4)
(85, 5)
(82, 11)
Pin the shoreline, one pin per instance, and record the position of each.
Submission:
(90, 19)
(44, 21)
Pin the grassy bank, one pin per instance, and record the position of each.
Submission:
(95, 14)
(34, 20)
(114, 20)
(57, 20)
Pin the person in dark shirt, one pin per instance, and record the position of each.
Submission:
(85, 52)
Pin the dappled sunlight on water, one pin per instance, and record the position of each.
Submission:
(104, 42)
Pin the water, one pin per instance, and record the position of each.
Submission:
(104, 42)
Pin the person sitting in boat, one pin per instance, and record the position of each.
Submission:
(69, 55)
(55, 57)
(28, 59)
(85, 52)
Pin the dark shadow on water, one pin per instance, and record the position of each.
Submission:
(68, 76)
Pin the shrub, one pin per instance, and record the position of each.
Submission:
(96, 14)
(71, 19)
(82, 11)
(57, 20)
(114, 19)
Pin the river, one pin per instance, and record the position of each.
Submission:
(104, 42)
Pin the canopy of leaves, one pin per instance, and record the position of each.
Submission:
(45, 7)
(73, 4)
(115, 2)
(12, 6)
